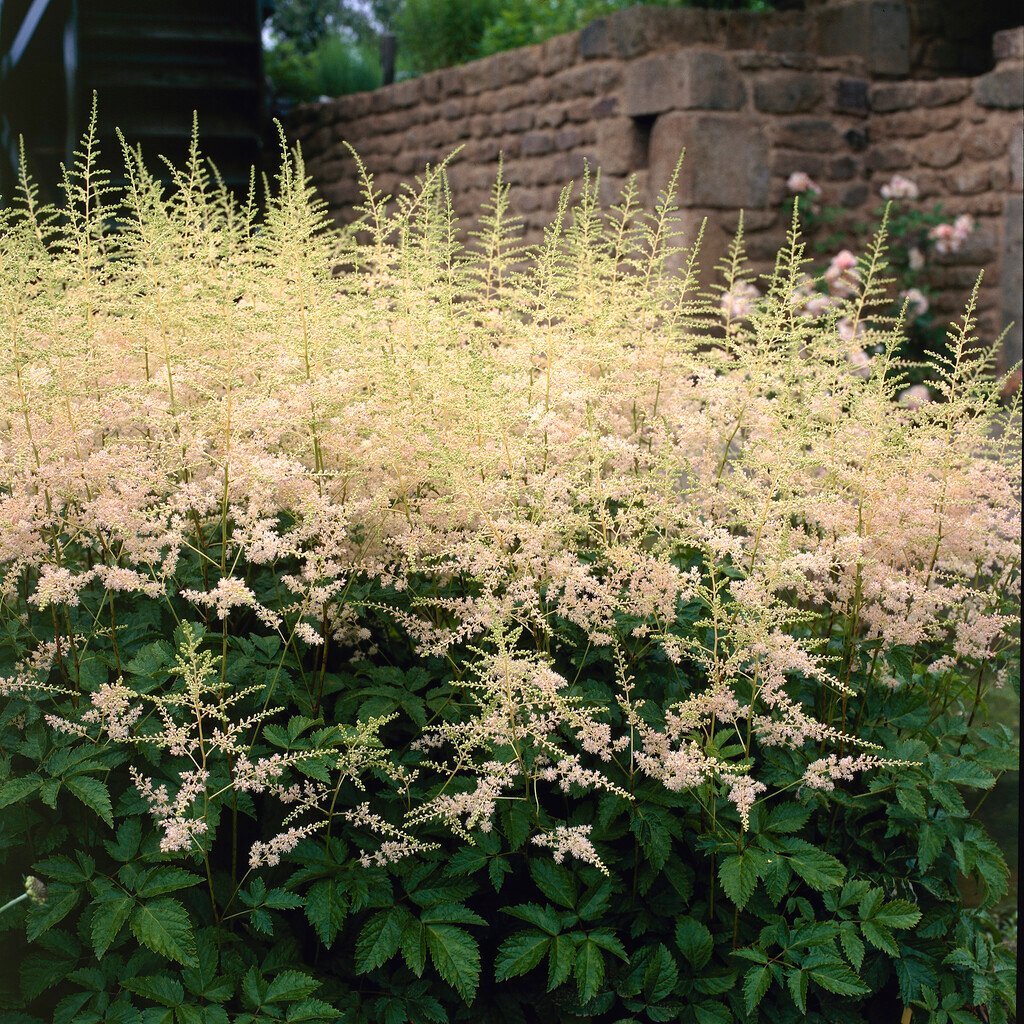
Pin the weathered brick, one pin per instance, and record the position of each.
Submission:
(895, 96)
(939, 151)
(787, 93)
(621, 145)
(1003, 87)
(1011, 282)
(568, 138)
(843, 168)
(587, 80)
(551, 117)
(854, 195)
(851, 96)
(1009, 44)
(558, 53)
(538, 143)
(967, 181)
(983, 142)
(888, 157)
(724, 165)
(785, 161)
(606, 106)
(520, 120)
(595, 40)
(912, 124)
(684, 80)
(1017, 157)
(814, 135)
(639, 30)
(941, 94)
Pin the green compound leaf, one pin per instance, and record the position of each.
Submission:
(589, 970)
(738, 875)
(379, 939)
(755, 984)
(694, 942)
(326, 908)
(163, 926)
(108, 918)
(456, 956)
(519, 954)
(93, 794)
(290, 987)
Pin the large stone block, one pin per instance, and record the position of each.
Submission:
(1009, 44)
(621, 145)
(640, 30)
(1003, 87)
(725, 166)
(876, 30)
(782, 93)
(684, 80)
(1011, 283)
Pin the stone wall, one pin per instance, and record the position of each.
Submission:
(751, 97)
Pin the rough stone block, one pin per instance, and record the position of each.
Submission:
(558, 53)
(968, 181)
(1003, 87)
(854, 195)
(588, 80)
(1009, 44)
(814, 135)
(983, 142)
(843, 168)
(595, 40)
(1011, 283)
(639, 30)
(851, 96)
(724, 165)
(684, 80)
(888, 157)
(876, 30)
(782, 93)
(892, 96)
(538, 143)
(939, 151)
(1017, 158)
(621, 145)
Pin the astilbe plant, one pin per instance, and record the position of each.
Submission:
(404, 627)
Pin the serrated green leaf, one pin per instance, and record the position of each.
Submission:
(712, 1013)
(544, 918)
(786, 818)
(289, 987)
(378, 941)
(163, 926)
(897, 914)
(93, 794)
(694, 942)
(838, 979)
(451, 913)
(61, 900)
(798, 982)
(554, 881)
(880, 937)
(15, 790)
(167, 879)
(312, 1011)
(519, 954)
(820, 870)
(660, 976)
(851, 943)
(157, 988)
(326, 908)
(589, 970)
(414, 947)
(561, 958)
(738, 875)
(456, 956)
(108, 918)
(756, 983)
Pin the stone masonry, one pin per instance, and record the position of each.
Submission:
(750, 97)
